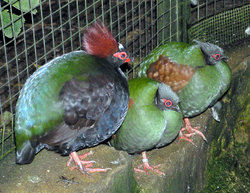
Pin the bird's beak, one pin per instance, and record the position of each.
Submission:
(225, 58)
(130, 61)
(178, 109)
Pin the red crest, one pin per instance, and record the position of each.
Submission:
(98, 41)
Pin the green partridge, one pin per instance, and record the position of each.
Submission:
(153, 119)
(197, 73)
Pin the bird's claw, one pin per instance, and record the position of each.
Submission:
(184, 137)
(85, 155)
(147, 167)
(93, 170)
(84, 166)
(191, 131)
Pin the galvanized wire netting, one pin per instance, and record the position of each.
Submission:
(207, 8)
(221, 22)
(57, 28)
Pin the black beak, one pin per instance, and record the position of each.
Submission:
(131, 61)
(225, 58)
(128, 65)
(178, 109)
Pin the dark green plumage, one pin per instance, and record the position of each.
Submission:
(146, 126)
(37, 115)
(40, 111)
(210, 80)
(76, 100)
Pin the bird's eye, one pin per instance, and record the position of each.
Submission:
(121, 55)
(216, 56)
(167, 102)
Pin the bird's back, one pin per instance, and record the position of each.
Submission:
(39, 109)
(178, 52)
(198, 84)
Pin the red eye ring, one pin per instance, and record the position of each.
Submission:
(216, 56)
(121, 55)
(167, 102)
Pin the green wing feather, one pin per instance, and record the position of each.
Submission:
(178, 52)
(38, 109)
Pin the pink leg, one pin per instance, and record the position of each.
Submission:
(83, 166)
(191, 131)
(147, 167)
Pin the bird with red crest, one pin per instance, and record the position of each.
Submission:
(74, 101)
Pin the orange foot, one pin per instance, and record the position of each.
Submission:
(147, 167)
(191, 131)
(84, 166)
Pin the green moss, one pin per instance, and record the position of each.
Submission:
(228, 172)
(223, 142)
(228, 157)
(124, 182)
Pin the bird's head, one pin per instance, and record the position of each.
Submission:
(99, 42)
(212, 53)
(166, 98)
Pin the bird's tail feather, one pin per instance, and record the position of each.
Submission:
(26, 154)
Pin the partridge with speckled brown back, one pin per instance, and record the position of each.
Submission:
(198, 73)
(173, 74)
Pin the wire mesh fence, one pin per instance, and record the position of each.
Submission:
(204, 9)
(219, 21)
(33, 32)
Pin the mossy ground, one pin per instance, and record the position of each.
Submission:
(229, 172)
(228, 157)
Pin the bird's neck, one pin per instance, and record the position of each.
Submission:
(115, 62)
